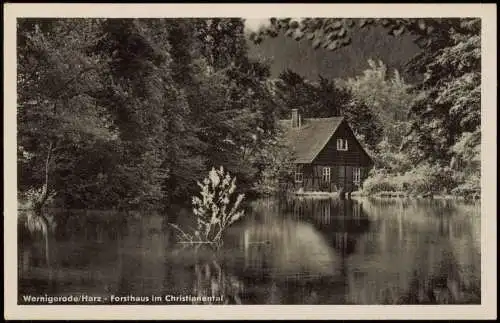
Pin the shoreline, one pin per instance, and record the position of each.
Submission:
(404, 195)
(384, 196)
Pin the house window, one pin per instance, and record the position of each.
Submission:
(342, 144)
(326, 174)
(299, 174)
(356, 175)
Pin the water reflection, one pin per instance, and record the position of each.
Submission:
(411, 256)
(297, 249)
(288, 251)
(214, 283)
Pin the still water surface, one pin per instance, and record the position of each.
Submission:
(295, 251)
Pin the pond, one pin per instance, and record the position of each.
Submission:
(285, 251)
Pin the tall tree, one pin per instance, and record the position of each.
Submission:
(151, 111)
(449, 101)
(232, 108)
(388, 97)
(313, 99)
(57, 113)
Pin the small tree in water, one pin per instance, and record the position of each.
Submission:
(213, 210)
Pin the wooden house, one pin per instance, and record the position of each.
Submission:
(327, 155)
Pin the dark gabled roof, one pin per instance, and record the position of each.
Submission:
(312, 136)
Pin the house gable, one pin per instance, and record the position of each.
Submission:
(355, 155)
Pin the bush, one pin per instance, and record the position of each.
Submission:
(430, 178)
(423, 179)
(470, 188)
(212, 210)
(379, 182)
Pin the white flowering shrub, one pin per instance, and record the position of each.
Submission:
(214, 209)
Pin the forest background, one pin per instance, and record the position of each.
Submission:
(131, 113)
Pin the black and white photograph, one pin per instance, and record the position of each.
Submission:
(278, 159)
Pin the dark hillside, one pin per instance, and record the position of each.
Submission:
(349, 61)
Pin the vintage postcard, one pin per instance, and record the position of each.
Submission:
(185, 161)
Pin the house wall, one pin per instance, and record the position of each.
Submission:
(341, 178)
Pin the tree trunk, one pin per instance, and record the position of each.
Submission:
(38, 207)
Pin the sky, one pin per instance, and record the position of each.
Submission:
(254, 24)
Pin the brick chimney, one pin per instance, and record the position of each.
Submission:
(296, 118)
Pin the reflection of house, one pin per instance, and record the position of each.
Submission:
(328, 157)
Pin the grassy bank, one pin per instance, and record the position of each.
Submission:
(423, 182)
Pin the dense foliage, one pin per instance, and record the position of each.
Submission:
(130, 113)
